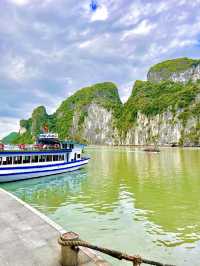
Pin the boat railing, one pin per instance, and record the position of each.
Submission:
(28, 147)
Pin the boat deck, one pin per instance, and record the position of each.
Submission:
(30, 238)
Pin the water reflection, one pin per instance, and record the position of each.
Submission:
(151, 201)
(49, 193)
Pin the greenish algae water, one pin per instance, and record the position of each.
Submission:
(126, 199)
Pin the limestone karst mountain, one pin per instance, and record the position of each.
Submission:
(164, 109)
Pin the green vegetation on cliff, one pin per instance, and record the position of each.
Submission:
(168, 67)
(104, 94)
(38, 120)
(26, 138)
(10, 138)
(175, 65)
(148, 97)
(155, 98)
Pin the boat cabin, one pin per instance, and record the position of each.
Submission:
(48, 149)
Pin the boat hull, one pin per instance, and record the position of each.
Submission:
(21, 173)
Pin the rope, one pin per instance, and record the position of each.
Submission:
(137, 260)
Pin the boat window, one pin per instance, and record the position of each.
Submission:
(34, 158)
(61, 157)
(78, 156)
(4, 161)
(55, 157)
(0, 160)
(64, 146)
(42, 158)
(71, 146)
(26, 159)
(49, 158)
(7, 160)
(17, 159)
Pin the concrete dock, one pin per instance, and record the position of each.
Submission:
(28, 237)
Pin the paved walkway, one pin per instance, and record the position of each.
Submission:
(28, 238)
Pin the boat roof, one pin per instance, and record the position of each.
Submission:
(48, 135)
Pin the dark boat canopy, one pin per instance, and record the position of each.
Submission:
(52, 139)
(47, 141)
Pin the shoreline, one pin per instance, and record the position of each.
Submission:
(140, 146)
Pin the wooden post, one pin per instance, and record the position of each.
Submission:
(69, 255)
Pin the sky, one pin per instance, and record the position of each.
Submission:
(51, 48)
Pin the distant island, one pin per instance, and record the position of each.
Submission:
(164, 109)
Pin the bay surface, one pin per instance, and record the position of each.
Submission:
(126, 199)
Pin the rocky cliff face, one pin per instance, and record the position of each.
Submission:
(163, 129)
(98, 127)
(89, 115)
(166, 113)
(178, 70)
(163, 110)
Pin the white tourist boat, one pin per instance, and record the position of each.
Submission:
(49, 156)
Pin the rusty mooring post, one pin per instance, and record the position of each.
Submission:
(69, 255)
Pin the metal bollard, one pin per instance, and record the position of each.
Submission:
(69, 255)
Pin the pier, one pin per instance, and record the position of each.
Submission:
(30, 238)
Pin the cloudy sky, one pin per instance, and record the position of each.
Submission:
(51, 48)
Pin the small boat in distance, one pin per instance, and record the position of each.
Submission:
(48, 156)
(151, 149)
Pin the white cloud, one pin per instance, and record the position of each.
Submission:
(50, 56)
(125, 91)
(58, 46)
(42, 28)
(17, 69)
(68, 80)
(188, 29)
(132, 17)
(20, 2)
(143, 28)
(175, 43)
(162, 6)
(138, 11)
(85, 44)
(100, 14)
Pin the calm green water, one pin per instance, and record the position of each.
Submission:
(126, 199)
